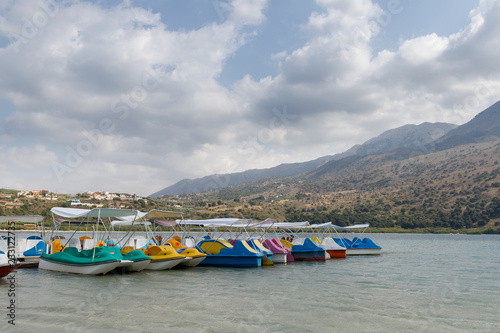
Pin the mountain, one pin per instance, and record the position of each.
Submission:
(216, 181)
(409, 138)
(482, 128)
(402, 142)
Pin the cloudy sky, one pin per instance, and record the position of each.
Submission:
(133, 96)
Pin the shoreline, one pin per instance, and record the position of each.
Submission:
(483, 231)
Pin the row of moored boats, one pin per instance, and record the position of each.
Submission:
(131, 241)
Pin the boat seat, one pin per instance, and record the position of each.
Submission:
(189, 242)
(74, 242)
(57, 246)
(89, 243)
(127, 249)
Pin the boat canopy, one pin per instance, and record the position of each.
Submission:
(132, 218)
(329, 225)
(321, 225)
(290, 225)
(356, 226)
(221, 222)
(60, 220)
(166, 223)
(129, 223)
(96, 212)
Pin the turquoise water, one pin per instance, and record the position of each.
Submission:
(421, 283)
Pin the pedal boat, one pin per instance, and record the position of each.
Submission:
(268, 255)
(99, 260)
(308, 251)
(333, 249)
(280, 252)
(221, 253)
(162, 257)
(30, 249)
(358, 246)
(193, 256)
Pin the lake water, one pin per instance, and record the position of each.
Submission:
(420, 283)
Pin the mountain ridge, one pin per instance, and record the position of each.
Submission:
(398, 144)
(215, 181)
(405, 136)
(485, 126)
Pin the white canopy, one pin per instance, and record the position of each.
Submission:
(289, 225)
(131, 218)
(321, 225)
(356, 226)
(221, 222)
(96, 212)
(128, 223)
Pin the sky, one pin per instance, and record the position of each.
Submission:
(133, 96)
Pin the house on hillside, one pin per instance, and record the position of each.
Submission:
(74, 202)
(122, 204)
(126, 197)
(13, 204)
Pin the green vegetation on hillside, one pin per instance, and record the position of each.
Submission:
(457, 190)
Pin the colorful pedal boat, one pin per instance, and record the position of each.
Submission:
(163, 257)
(280, 252)
(221, 253)
(99, 260)
(30, 249)
(288, 246)
(267, 259)
(308, 251)
(139, 260)
(193, 256)
(358, 246)
(333, 249)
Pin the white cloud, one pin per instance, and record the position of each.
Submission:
(142, 106)
(336, 79)
(423, 49)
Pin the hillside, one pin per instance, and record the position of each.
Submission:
(401, 143)
(457, 188)
(483, 127)
(213, 182)
(411, 137)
